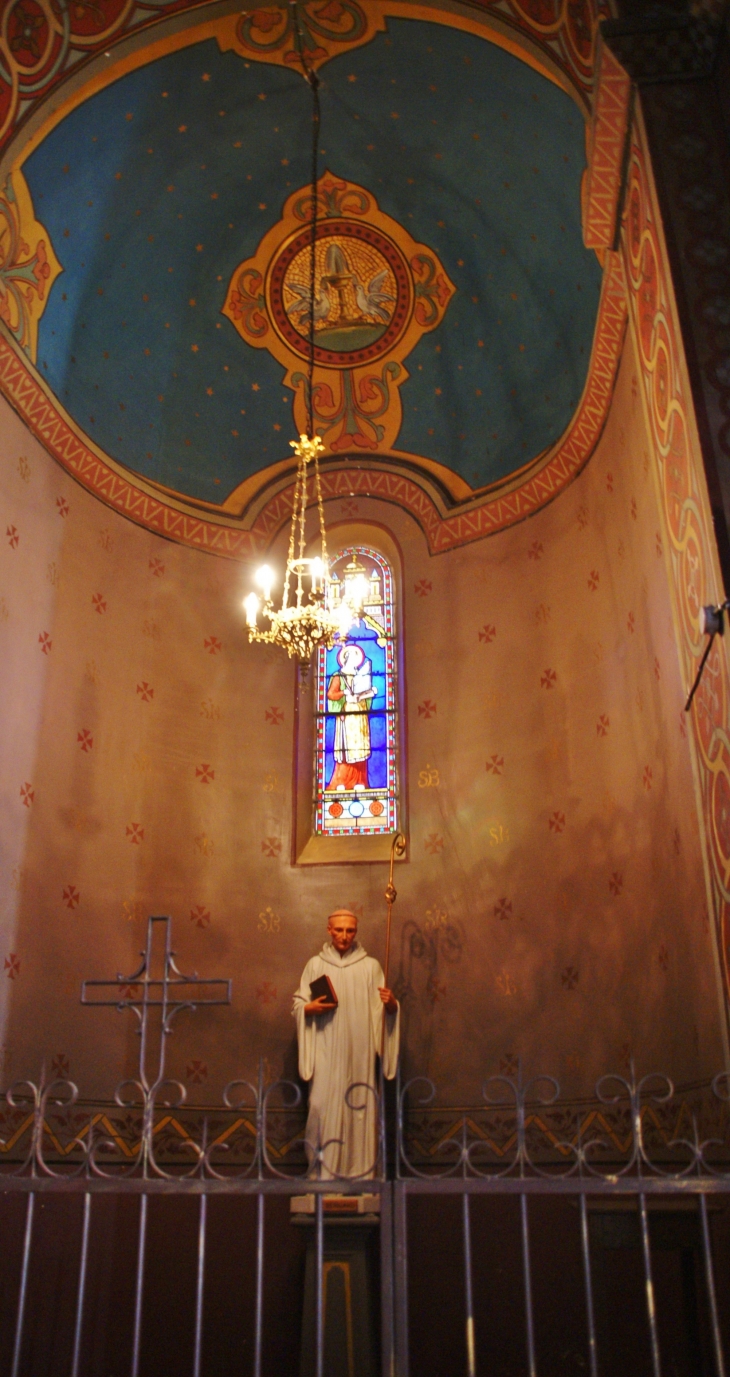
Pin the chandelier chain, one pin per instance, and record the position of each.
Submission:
(290, 557)
(302, 524)
(320, 508)
(311, 77)
(320, 616)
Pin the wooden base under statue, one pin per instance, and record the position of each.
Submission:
(351, 1286)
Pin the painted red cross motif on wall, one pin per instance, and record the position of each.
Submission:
(495, 765)
(196, 1072)
(13, 537)
(434, 843)
(61, 1066)
(45, 642)
(85, 740)
(616, 882)
(509, 1064)
(657, 668)
(487, 633)
(602, 725)
(503, 909)
(98, 603)
(633, 509)
(663, 956)
(609, 482)
(212, 645)
(145, 691)
(426, 709)
(594, 578)
(647, 777)
(62, 506)
(631, 623)
(423, 588)
(536, 550)
(570, 977)
(200, 915)
(27, 793)
(266, 993)
(156, 567)
(12, 965)
(582, 517)
(557, 822)
(71, 896)
(271, 846)
(135, 832)
(204, 773)
(274, 716)
(548, 679)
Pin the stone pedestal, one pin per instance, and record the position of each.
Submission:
(350, 1296)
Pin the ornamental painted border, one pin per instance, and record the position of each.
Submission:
(67, 38)
(689, 540)
(490, 513)
(390, 478)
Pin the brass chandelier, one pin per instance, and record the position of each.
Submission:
(311, 615)
(315, 609)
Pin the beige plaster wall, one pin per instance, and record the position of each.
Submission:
(552, 906)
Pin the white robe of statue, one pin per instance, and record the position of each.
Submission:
(338, 1049)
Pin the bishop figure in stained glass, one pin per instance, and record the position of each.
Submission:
(356, 778)
(350, 694)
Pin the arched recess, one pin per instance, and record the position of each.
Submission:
(316, 847)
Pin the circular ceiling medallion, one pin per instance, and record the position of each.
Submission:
(363, 293)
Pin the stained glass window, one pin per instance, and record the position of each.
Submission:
(355, 767)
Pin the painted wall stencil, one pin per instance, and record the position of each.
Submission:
(376, 292)
(355, 772)
(28, 264)
(268, 34)
(688, 543)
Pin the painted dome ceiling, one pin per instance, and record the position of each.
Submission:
(456, 304)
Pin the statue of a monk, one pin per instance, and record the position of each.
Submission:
(338, 1044)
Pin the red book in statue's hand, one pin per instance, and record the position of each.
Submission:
(323, 986)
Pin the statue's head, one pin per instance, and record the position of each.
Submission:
(342, 928)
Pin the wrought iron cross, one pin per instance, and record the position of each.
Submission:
(170, 993)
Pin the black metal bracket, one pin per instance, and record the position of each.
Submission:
(713, 624)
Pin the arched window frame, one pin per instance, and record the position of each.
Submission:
(308, 847)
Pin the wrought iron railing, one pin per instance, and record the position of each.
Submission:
(636, 1139)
